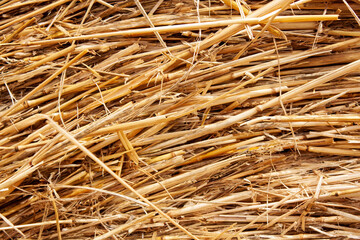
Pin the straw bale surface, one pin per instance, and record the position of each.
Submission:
(179, 119)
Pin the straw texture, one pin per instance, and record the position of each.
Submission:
(176, 119)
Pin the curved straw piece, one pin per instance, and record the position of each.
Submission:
(119, 179)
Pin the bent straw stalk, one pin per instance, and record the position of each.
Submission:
(120, 180)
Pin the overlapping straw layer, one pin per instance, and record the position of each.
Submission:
(179, 119)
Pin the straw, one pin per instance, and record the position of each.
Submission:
(179, 120)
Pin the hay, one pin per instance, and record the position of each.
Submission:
(179, 119)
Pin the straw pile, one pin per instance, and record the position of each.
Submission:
(179, 119)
